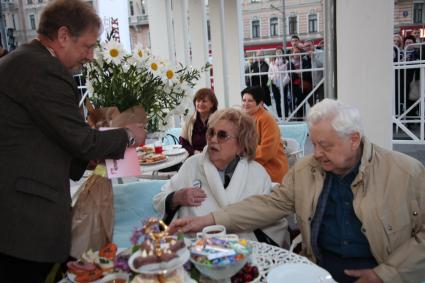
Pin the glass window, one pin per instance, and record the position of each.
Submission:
(131, 8)
(312, 23)
(143, 7)
(208, 30)
(255, 28)
(418, 9)
(292, 26)
(40, 1)
(32, 22)
(273, 26)
(29, 2)
(254, 1)
(14, 21)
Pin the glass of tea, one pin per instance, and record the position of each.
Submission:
(158, 147)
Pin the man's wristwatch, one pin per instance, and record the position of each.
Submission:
(131, 139)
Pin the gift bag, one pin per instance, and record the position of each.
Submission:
(92, 216)
(93, 211)
(414, 92)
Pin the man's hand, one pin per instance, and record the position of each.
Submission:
(191, 224)
(138, 132)
(364, 275)
(193, 196)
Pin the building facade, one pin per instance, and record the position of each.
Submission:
(265, 23)
(409, 15)
(21, 17)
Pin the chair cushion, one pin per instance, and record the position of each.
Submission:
(133, 205)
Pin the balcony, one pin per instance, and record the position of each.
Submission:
(138, 20)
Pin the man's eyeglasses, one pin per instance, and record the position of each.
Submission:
(222, 136)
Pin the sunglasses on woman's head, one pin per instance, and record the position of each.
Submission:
(222, 136)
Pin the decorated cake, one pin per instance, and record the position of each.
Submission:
(159, 257)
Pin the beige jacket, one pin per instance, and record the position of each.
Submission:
(389, 200)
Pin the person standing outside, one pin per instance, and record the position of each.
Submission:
(279, 78)
(45, 141)
(316, 58)
(260, 68)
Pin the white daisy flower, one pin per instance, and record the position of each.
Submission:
(154, 66)
(169, 75)
(140, 54)
(113, 52)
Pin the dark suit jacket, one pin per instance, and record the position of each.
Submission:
(43, 141)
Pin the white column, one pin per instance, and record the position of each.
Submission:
(217, 46)
(181, 31)
(364, 67)
(233, 32)
(199, 39)
(227, 51)
(160, 29)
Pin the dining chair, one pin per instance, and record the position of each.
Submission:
(133, 204)
(172, 136)
(292, 149)
(297, 131)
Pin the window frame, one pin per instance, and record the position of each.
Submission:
(316, 23)
(275, 26)
(296, 25)
(33, 23)
(131, 7)
(252, 28)
(415, 14)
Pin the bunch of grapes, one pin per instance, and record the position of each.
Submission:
(248, 273)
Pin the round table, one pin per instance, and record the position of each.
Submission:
(266, 257)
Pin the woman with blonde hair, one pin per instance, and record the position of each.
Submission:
(193, 133)
(224, 173)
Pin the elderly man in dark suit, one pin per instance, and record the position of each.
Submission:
(44, 141)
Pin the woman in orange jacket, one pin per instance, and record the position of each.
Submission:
(269, 152)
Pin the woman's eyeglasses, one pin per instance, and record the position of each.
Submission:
(222, 136)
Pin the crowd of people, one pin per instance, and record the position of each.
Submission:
(360, 208)
(407, 80)
(288, 78)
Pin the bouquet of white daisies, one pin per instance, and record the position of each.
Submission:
(121, 79)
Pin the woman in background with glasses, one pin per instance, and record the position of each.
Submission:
(193, 133)
(224, 173)
(269, 151)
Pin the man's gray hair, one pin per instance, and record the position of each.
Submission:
(345, 120)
